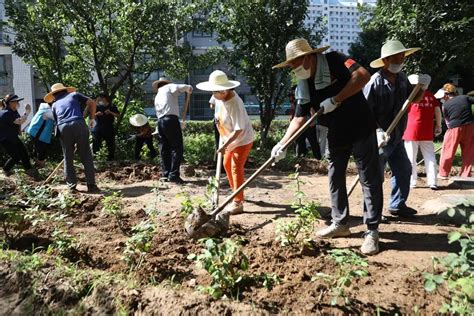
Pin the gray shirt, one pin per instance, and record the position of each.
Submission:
(166, 99)
(386, 99)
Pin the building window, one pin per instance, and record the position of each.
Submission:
(3, 72)
(199, 33)
(203, 71)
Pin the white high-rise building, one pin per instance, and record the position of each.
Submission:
(342, 21)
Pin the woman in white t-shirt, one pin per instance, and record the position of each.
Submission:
(235, 130)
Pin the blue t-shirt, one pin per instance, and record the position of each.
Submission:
(67, 107)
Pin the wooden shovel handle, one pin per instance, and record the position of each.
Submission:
(268, 163)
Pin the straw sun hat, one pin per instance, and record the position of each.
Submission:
(161, 80)
(390, 48)
(138, 120)
(55, 88)
(218, 81)
(297, 48)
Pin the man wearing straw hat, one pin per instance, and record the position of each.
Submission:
(169, 127)
(334, 83)
(73, 132)
(386, 92)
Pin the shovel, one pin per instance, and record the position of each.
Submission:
(392, 126)
(215, 196)
(200, 224)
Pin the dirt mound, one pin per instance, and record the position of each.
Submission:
(126, 172)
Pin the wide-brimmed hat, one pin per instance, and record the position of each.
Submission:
(138, 120)
(218, 81)
(390, 48)
(448, 88)
(12, 98)
(55, 88)
(297, 48)
(157, 82)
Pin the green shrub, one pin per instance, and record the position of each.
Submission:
(199, 149)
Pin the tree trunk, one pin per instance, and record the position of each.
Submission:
(125, 105)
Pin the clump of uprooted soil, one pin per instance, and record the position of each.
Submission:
(127, 172)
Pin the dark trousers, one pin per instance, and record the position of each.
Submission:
(397, 158)
(75, 136)
(40, 149)
(312, 136)
(171, 145)
(139, 141)
(98, 137)
(17, 152)
(366, 156)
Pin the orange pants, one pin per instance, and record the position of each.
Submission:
(234, 162)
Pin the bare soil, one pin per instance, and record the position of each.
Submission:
(167, 280)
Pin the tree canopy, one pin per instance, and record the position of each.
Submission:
(443, 29)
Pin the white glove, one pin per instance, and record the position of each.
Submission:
(27, 109)
(382, 138)
(329, 105)
(183, 124)
(422, 79)
(190, 89)
(438, 131)
(92, 123)
(131, 137)
(278, 153)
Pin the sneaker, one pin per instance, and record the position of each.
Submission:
(176, 180)
(403, 211)
(334, 230)
(93, 188)
(443, 177)
(164, 179)
(434, 187)
(370, 246)
(235, 208)
(384, 219)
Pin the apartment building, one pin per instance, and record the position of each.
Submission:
(342, 19)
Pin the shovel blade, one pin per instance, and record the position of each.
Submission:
(199, 224)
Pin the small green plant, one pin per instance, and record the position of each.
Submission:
(139, 244)
(23, 261)
(152, 210)
(63, 243)
(269, 280)
(351, 266)
(113, 205)
(187, 204)
(298, 231)
(225, 262)
(456, 274)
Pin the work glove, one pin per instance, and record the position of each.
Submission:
(278, 153)
(27, 109)
(329, 105)
(423, 79)
(190, 89)
(92, 124)
(437, 131)
(382, 138)
(183, 124)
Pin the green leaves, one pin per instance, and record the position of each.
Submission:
(224, 261)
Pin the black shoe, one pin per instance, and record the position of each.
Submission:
(33, 173)
(164, 179)
(93, 189)
(404, 211)
(384, 219)
(176, 180)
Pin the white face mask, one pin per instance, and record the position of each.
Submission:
(394, 68)
(302, 73)
(100, 103)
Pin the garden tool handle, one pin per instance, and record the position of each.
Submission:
(186, 106)
(392, 126)
(218, 177)
(53, 172)
(268, 163)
